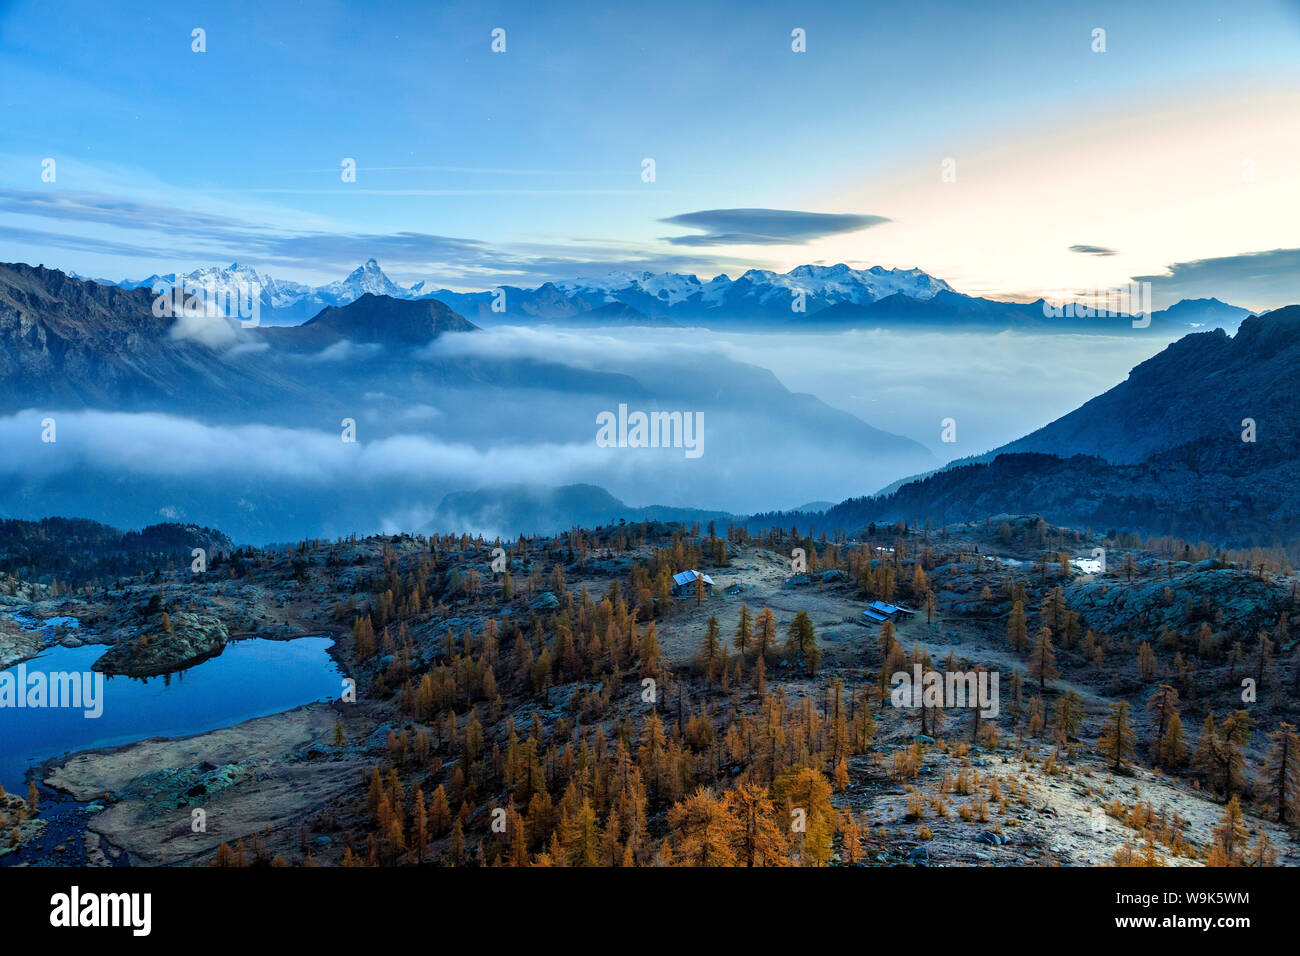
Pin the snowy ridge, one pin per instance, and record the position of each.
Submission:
(757, 297)
(838, 283)
(669, 290)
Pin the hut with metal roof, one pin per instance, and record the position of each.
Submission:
(684, 582)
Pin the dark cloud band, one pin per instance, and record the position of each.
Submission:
(765, 227)
(1252, 278)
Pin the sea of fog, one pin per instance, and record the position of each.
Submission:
(267, 478)
(996, 387)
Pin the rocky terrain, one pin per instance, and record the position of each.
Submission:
(19, 823)
(17, 642)
(418, 620)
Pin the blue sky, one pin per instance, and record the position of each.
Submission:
(1170, 149)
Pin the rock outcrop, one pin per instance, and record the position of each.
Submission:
(166, 644)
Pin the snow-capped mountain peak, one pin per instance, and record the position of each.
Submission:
(757, 291)
(667, 287)
(368, 278)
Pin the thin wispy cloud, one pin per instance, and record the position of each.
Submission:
(404, 191)
(161, 234)
(1087, 250)
(477, 170)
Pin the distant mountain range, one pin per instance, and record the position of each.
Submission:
(282, 302)
(72, 344)
(952, 310)
(194, 419)
(805, 298)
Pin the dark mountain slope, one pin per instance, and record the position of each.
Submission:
(1200, 387)
(1250, 505)
(375, 318)
(1161, 453)
(69, 343)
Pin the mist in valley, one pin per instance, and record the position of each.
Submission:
(787, 419)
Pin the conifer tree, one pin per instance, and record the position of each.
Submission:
(1219, 755)
(1146, 661)
(802, 642)
(703, 826)
(1117, 740)
(1067, 717)
(766, 634)
(744, 630)
(1173, 751)
(1282, 773)
(710, 648)
(1229, 836)
(439, 812)
(1052, 610)
(1166, 746)
(755, 836)
(851, 835)
(456, 849)
(1017, 631)
(806, 796)
(420, 826)
(1042, 659)
(1035, 718)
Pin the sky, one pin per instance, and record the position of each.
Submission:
(998, 146)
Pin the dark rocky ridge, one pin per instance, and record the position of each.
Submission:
(374, 318)
(1161, 453)
(1200, 387)
(75, 550)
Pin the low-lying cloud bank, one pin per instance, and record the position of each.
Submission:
(168, 445)
(997, 387)
(280, 477)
